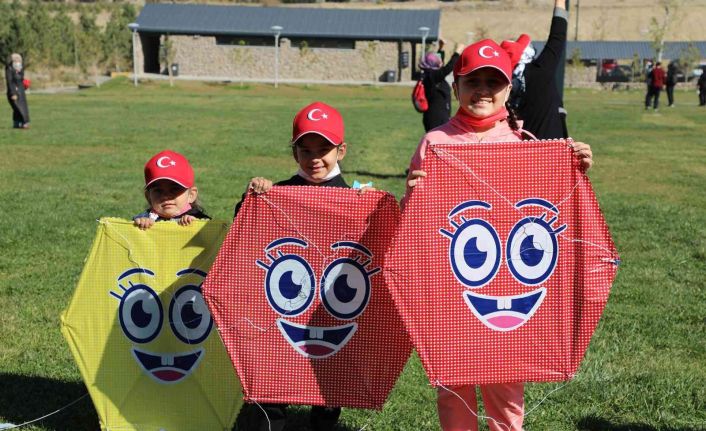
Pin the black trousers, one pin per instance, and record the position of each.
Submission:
(274, 417)
(652, 93)
(20, 112)
(670, 94)
(702, 97)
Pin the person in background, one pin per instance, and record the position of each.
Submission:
(535, 97)
(701, 85)
(671, 82)
(14, 78)
(655, 83)
(436, 89)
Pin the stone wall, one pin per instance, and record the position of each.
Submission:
(201, 56)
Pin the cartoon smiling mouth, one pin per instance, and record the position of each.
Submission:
(315, 341)
(167, 368)
(504, 313)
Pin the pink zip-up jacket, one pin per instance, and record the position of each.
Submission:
(455, 131)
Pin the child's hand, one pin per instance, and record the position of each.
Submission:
(365, 189)
(584, 153)
(260, 185)
(413, 176)
(186, 220)
(143, 223)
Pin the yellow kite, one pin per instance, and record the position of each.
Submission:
(141, 333)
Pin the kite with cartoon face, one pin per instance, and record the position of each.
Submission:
(297, 294)
(502, 263)
(142, 335)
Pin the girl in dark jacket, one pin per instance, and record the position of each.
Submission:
(436, 89)
(14, 78)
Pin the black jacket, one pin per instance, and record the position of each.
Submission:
(438, 93)
(14, 81)
(296, 180)
(539, 108)
(671, 75)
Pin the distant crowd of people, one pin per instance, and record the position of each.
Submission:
(657, 80)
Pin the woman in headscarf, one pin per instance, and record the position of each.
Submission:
(14, 78)
(436, 89)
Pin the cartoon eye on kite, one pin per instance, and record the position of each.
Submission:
(532, 247)
(475, 251)
(140, 311)
(290, 282)
(188, 313)
(345, 283)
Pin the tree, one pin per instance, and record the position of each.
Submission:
(689, 58)
(659, 30)
(16, 29)
(89, 45)
(63, 49)
(7, 12)
(117, 39)
(166, 56)
(38, 33)
(636, 66)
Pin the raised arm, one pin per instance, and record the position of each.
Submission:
(553, 49)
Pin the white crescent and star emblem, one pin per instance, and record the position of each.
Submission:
(162, 160)
(482, 53)
(313, 112)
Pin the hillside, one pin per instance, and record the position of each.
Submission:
(598, 19)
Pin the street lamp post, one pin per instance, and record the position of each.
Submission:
(277, 29)
(425, 33)
(134, 26)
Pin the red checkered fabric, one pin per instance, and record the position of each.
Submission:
(502, 264)
(300, 300)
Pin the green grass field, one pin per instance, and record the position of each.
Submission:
(83, 158)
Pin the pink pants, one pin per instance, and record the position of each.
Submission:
(503, 402)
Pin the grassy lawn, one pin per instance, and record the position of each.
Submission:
(83, 159)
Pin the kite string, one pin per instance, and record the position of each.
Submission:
(264, 412)
(128, 248)
(325, 258)
(269, 423)
(440, 151)
(294, 225)
(463, 166)
(499, 423)
(48, 414)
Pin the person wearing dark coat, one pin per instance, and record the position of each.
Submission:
(655, 83)
(535, 97)
(671, 82)
(14, 79)
(436, 89)
(701, 84)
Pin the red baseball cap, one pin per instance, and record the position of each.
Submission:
(485, 53)
(321, 119)
(515, 49)
(169, 165)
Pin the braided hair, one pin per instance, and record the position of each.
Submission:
(511, 116)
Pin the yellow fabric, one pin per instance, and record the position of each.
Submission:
(128, 391)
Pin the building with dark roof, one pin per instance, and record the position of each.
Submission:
(625, 50)
(238, 42)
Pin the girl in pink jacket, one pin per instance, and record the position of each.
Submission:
(482, 84)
